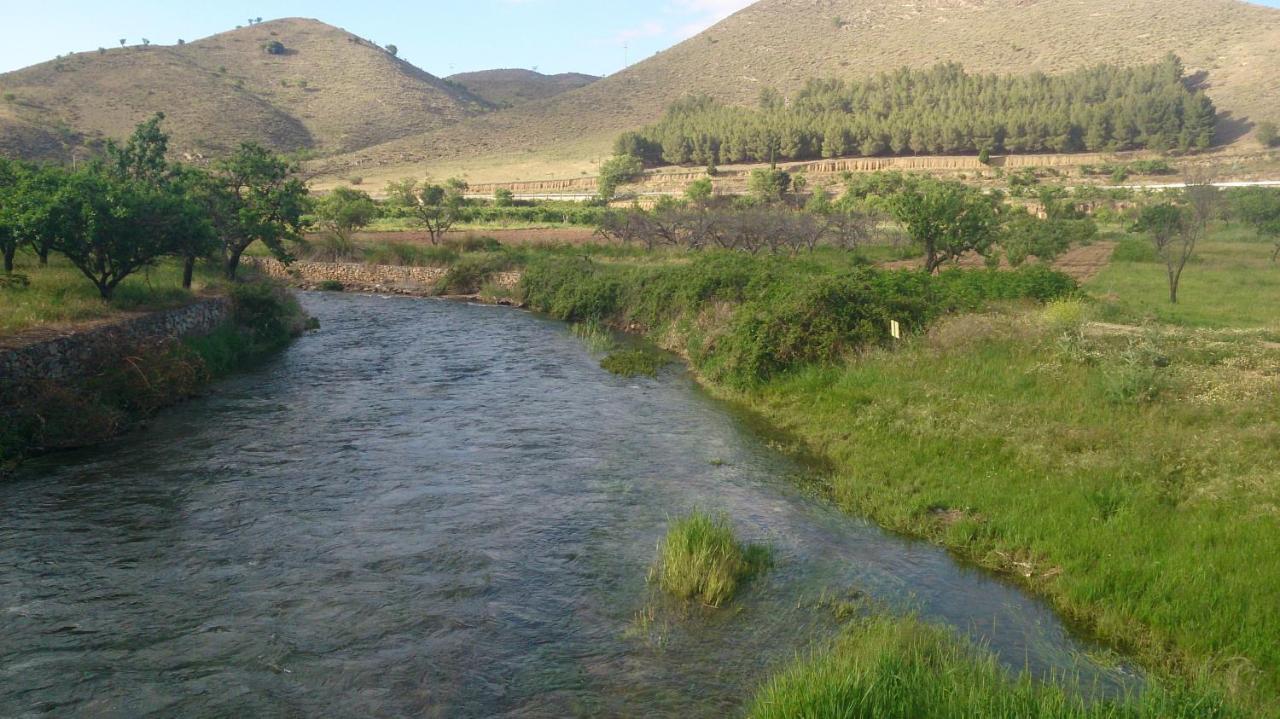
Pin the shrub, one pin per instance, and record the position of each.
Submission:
(1133, 249)
(469, 274)
(331, 286)
(275, 47)
(700, 558)
(634, 362)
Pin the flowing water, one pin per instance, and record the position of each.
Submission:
(430, 508)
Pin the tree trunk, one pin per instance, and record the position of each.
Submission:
(9, 252)
(233, 263)
(188, 270)
(43, 254)
(1275, 254)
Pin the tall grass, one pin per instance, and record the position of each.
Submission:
(886, 668)
(634, 362)
(701, 559)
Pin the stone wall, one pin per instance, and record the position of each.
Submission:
(74, 355)
(392, 279)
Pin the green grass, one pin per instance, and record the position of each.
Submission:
(59, 294)
(701, 559)
(885, 668)
(634, 362)
(1230, 283)
(594, 335)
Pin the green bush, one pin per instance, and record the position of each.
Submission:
(470, 273)
(634, 362)
(1135, 249)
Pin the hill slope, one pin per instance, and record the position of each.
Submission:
(508, 88)
(782, 43)
(329, 90)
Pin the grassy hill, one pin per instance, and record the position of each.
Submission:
(508, 88)
(1235, 46)
(328, 91)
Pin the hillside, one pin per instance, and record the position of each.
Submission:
(1234, 46)
(508, 88)
(328, 91)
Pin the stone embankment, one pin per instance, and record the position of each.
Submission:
(358, 277)
(46, 357)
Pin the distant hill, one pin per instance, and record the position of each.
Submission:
(1233, 46)
(326, 90)
(508, 88)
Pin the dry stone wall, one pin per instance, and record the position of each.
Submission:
(393, 279)
(74, 355)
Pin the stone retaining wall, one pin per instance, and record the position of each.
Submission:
(393, 279)
(73, 355)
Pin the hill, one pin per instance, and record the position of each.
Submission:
(326, 90)
(1234, 47)
(508, 88)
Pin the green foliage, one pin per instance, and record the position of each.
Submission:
(940, 110)
(275, 47)
(946, 219)
(502, 197)
(470, 272)
(345, 210)
(1134, 249)
(1023, 235)
(887, 668)
(255, 196)
(786, 314)
(1259, 208)
(634, 362)
(616, 171)
(700, 191)
(768, 186)
(701, 559)
(331, 286)
(436, 207)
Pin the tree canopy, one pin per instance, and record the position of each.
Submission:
(940, 110)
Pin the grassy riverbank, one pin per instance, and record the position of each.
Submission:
(136, 381)
(59, 295)
(1121, 471)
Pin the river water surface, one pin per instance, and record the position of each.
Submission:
(437, 509)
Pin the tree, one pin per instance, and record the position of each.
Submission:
(946, 220)
(255, 196)
(1170, 229)
(275, 47)
(502, 197)
(345, 210)
(1259, 208)
(618, 170)
(116, 226)
(10, 173)
(142, 159)
(699, 192)
(393, 50)
(1267, 134)
(768, 186)
(123, 41)
(435, 207)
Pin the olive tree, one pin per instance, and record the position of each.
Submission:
(946, 220)
(9, 230)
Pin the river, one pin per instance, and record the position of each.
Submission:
(429, 508)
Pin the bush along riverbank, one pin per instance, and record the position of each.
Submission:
(1119, 475)
(130, 382)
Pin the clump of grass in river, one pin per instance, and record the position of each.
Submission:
(634, 362)
(701, 558)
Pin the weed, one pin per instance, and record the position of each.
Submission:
(700, 558)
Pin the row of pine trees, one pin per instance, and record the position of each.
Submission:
(940, 110)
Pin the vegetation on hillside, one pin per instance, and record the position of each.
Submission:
(942, 110)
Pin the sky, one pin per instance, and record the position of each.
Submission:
(441, 37)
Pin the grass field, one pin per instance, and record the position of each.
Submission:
(1230, 283)
(60, 295)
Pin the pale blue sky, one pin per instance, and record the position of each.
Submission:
(440, 37)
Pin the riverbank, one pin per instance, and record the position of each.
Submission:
(1120, 475)
(73, 389)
